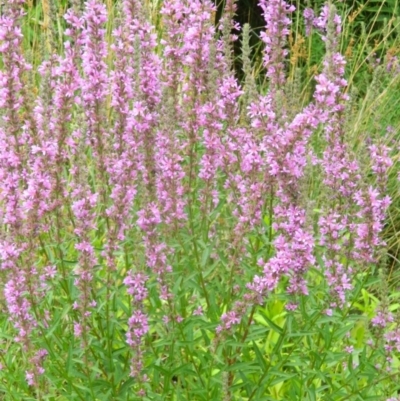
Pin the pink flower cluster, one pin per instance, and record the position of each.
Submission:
(133, 153)
(276, 14)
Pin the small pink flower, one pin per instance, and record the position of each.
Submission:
(198, 311)
(30, 378)
(349, 349)
(291, 306)
(77, 330)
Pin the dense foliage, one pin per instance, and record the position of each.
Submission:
(171, 233)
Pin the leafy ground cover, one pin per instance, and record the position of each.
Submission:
(171, 233)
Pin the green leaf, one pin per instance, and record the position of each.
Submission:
(259, 356)
(266, 321)
(61, 317)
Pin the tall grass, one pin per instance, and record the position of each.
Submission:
(170, 233)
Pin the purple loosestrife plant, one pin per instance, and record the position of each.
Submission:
(161, 232)
(353, 222)
(276, 15)
(284, 149)
(85, 199)
(18, 204)
(93, 87)
(286, 156)
(340, 173)
(12, 100)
